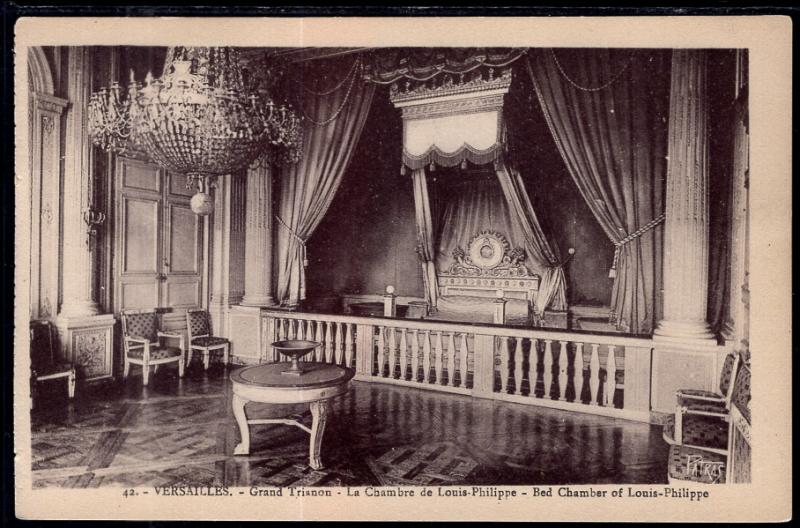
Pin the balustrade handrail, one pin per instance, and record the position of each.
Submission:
(467, 328)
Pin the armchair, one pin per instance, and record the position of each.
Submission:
(141, 340)
(44, 364)
(701, 416)
(201, 338)
(731, 465)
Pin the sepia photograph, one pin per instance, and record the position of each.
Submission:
(500, 274)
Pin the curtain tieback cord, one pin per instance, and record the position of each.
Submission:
(612, 273)
(297, 237)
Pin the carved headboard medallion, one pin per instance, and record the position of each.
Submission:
(489, 254)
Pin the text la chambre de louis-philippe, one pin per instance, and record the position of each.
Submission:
(489, 492)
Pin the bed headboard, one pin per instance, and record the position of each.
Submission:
(486, 265)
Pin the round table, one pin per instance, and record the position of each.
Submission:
(265, 384)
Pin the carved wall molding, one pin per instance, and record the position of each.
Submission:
(451, 85)
(456, 106)
(49, 103)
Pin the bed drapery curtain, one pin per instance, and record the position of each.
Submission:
(426, 240)
(553, 285)
(607, 112)
(332, 124)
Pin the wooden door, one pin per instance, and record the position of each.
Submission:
(159, 241)
(138, 236)
(183, 255)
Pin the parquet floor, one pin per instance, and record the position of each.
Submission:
(182, 432)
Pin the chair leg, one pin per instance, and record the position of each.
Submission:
(155, 369)
(225, 353)
(71, 385)
(189, 356)
(206, 358)
(127, 368)
(145, 373)
(180, 367)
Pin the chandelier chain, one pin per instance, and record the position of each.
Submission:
(352, 71)
(338, 111)
(597, 88)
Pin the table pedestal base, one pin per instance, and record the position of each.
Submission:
(319, 414)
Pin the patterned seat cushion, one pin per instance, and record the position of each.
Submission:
(696, 465)
(208, 341)
(699, 393)
(706, 406)
(156, 352)
(54, 368)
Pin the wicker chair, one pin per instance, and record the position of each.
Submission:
(141, 339)
(712, 466)
(44, 364)
(201, 338)
(701, 416)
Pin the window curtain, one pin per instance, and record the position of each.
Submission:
(553, 285)
(332, 124)
(426, 242)
(607, 111)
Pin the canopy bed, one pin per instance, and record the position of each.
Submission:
(482, 238)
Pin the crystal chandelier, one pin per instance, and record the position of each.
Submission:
(200, 119)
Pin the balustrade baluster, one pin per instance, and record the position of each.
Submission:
(348, 347)
(392, 352)
(563, 364)
(611, 377)
(533, 366)
(518, 367)
(462, 369)
(292, 329)
(283, 331)
(504, 364)
(301, 330)
(319, 353)
(414, 355)
(310, 330)
(451, 359)
(340, 343)
(403, 354)
(328, 342)
(594, 375)
(577, 365)
(426, 357)
(381, 346)
(438, 362)
(548, 369)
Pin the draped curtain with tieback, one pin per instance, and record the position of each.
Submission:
(607, 112)
(426, 239)
(553, 285)
(332, 125)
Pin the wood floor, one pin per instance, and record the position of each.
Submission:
(182, 432)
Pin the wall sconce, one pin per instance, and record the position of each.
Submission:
(93, 220)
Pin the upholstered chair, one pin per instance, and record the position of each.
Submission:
(700, 415)
(142, 343)
(201, 339)
(713, 466)
(44, 364)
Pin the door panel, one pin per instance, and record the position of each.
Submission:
(183, 264)
(140, 235)
(182, 292)
(140, 175)
(177, 185)
(183, 249)
(139, 295)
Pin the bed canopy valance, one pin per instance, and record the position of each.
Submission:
(456, 120)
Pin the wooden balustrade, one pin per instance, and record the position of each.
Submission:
(571, 370)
